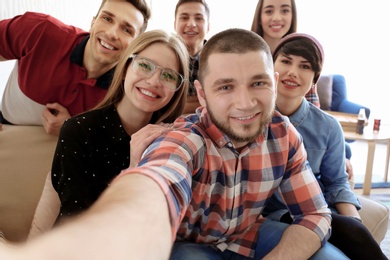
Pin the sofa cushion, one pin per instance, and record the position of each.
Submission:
(324, 90)
(375, 217)
(26, 154)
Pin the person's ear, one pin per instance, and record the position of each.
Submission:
(174, 26)
(200, 91)
(276, 76)
(314, 82)
(93, 21)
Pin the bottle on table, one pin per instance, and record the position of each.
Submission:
(377, 123)
(361, 121)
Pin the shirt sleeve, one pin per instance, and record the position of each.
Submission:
(181, 154)
(302, 193)
(22, 34)
(19, 34)
(334, 177)
(312, 96)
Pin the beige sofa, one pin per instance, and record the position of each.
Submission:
(26, 154)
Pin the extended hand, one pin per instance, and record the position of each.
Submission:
(143, 138)
(53, 117)
(349, 168)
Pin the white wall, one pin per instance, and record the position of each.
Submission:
(352, 33)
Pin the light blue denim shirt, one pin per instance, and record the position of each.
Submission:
(324, 142)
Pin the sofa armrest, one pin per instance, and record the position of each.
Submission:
(375, 217)
(347, 106)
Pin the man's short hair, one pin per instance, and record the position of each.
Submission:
(232, 41)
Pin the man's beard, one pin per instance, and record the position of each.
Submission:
(228, 130)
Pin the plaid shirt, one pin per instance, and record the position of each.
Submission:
(312, 96)
(194, 69)
(216, 195)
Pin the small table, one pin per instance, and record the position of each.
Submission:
(371, 139)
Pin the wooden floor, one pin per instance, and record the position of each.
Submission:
(373, 191)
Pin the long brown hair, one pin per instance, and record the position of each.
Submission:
(176, 105)
(256, 23)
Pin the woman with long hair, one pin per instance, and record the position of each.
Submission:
(149, 87)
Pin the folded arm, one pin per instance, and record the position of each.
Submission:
(307, 205)
(334, 178)
(297, 242)
(311, 216)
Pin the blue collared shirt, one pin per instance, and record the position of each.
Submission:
(324, 142)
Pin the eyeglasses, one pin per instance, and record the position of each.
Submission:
(144, 67)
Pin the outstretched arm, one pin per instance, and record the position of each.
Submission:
(129, 220)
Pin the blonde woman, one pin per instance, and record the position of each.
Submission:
(149, 87)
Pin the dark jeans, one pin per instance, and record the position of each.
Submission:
(269, 236)
(348, 235)
(354, 239)
(3, 120)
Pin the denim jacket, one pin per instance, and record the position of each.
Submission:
(324, 142)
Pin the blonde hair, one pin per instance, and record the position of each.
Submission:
(176, 105)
